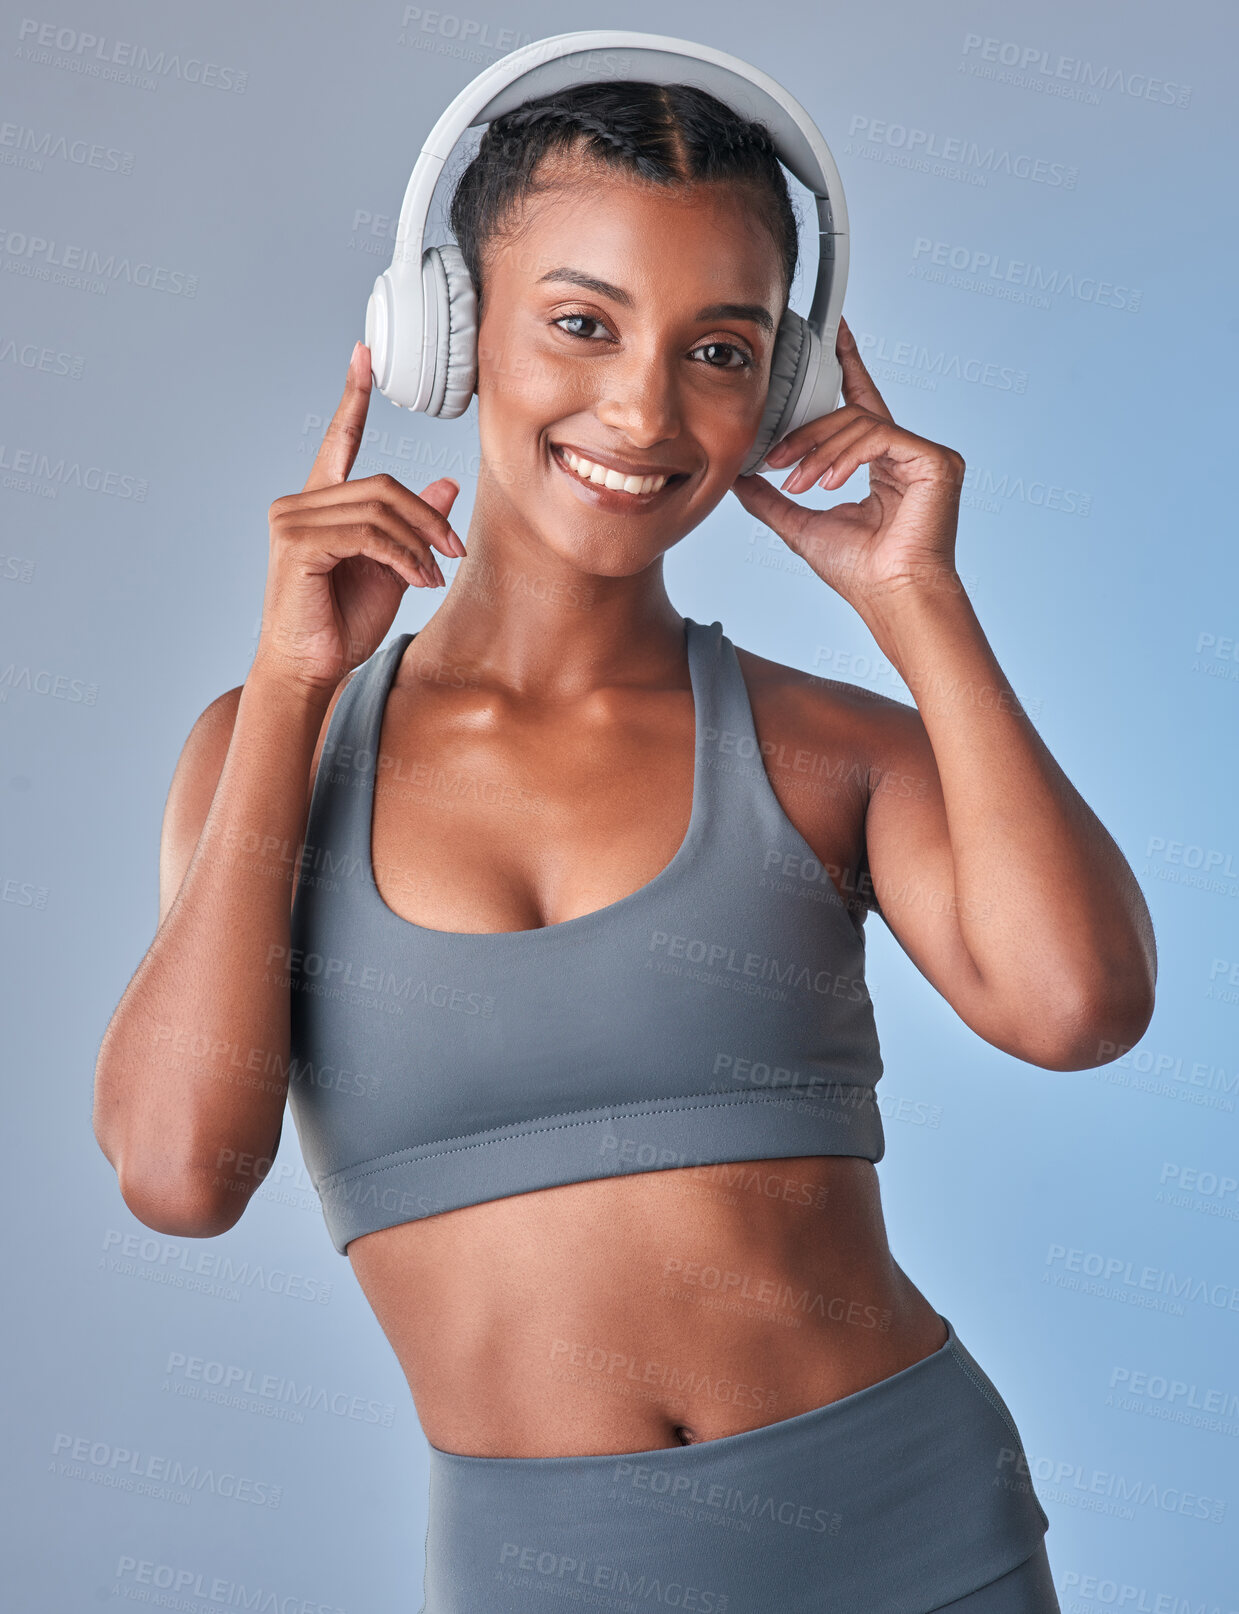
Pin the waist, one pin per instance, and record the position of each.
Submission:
(905, 1496)
(657, 1310)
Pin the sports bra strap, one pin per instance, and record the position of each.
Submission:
(729, 773)
(340, 812)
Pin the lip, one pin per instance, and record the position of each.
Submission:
(614, 499)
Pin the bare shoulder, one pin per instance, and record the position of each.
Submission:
(195, 779)
(829, 747)
(808, 711)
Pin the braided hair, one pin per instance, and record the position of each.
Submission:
(668, 134)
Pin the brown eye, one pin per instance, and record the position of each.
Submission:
(732, 349)
(726, 347)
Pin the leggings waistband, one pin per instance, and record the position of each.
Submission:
(896, 1498)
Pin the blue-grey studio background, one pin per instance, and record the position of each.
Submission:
(196, 202)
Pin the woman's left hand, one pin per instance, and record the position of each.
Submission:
(902, 532)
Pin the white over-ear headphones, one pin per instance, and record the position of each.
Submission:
(421, 320)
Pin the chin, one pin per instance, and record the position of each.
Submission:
(602, 553)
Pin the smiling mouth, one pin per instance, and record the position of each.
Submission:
(613, 488)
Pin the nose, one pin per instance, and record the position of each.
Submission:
(641, 400)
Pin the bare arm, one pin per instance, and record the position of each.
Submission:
(997, 878)
(192, 1074)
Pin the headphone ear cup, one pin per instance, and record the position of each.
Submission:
(455, 356)
(814, 391)
(787, 366)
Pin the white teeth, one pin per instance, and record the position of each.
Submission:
(611, 479)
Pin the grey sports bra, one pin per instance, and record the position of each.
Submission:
(718, 1013)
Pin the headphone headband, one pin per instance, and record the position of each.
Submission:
(404, 370)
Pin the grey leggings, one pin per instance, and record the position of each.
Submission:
(1027, 1589)
(910, 1496)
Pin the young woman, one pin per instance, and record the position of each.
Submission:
(572, 974)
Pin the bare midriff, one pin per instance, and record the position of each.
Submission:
(652, 1310)
(658, 1308)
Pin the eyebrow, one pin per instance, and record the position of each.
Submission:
(577, 277)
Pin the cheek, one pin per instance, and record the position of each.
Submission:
(512, 422)
(520, 375)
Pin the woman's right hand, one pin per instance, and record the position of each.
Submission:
(342, 554)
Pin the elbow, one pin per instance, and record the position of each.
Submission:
(171, 1188)
(181, 1208)
(1095, 1027)
(161, 1198)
